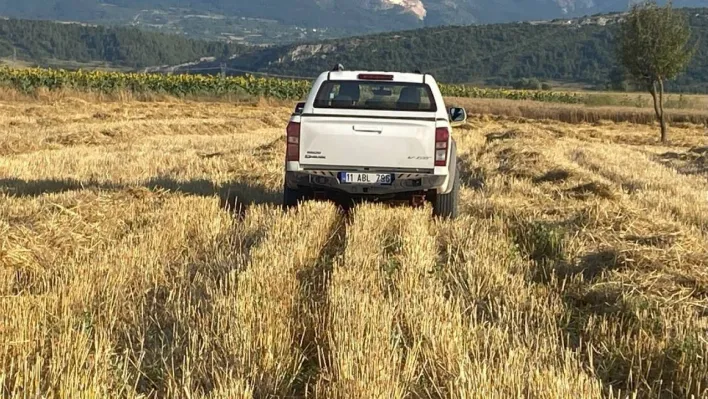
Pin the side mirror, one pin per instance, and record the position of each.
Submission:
(299, 107)
(458, 116)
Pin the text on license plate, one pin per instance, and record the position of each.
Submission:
(366, 178)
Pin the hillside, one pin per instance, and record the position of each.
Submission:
(565, 50)
(46, 42)
(578, 51)
(291, 20)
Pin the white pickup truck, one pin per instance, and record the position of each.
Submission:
(375, 136)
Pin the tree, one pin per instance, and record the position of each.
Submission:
(618, 79)
(653, 48)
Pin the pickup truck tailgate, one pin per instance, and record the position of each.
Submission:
(367, 142)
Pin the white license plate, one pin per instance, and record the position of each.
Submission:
(366, 178)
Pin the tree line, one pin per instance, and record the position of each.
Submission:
(40, 41)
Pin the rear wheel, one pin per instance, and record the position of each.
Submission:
(445, 205)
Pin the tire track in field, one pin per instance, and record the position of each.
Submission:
(435, 332)
(313, 309)
(367, 357)
(261, 311)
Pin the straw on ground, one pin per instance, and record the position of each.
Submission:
(576, 270)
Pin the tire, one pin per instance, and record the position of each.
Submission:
(445, 205)
(292, 197)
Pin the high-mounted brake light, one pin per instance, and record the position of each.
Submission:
(374, 76)
(292, 152)
(442, 138)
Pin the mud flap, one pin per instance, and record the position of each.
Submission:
(452, 170)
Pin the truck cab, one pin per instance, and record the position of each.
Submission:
(373, 136)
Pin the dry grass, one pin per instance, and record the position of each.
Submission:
(578, 268)
(643, 99)
(576, 113)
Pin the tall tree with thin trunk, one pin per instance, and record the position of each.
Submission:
(653, 47)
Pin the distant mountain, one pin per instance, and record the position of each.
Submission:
(221, 18)
(564, 51)
(580, 51)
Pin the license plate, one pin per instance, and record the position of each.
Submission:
(366, 178)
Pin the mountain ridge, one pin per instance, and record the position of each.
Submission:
(562, 51)
(347, 16)
(578, 50)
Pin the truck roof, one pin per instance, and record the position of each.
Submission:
(408, 77)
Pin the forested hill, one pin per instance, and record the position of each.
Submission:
(40, 41)
(580, 51)
(577, 51)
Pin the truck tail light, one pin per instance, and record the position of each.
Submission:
(442, 138)
(292, 152)
(374, 76)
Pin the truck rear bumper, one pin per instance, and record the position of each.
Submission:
(326, 180)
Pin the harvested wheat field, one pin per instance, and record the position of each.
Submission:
(578, 268)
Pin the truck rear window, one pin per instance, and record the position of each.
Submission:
(375, 95)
